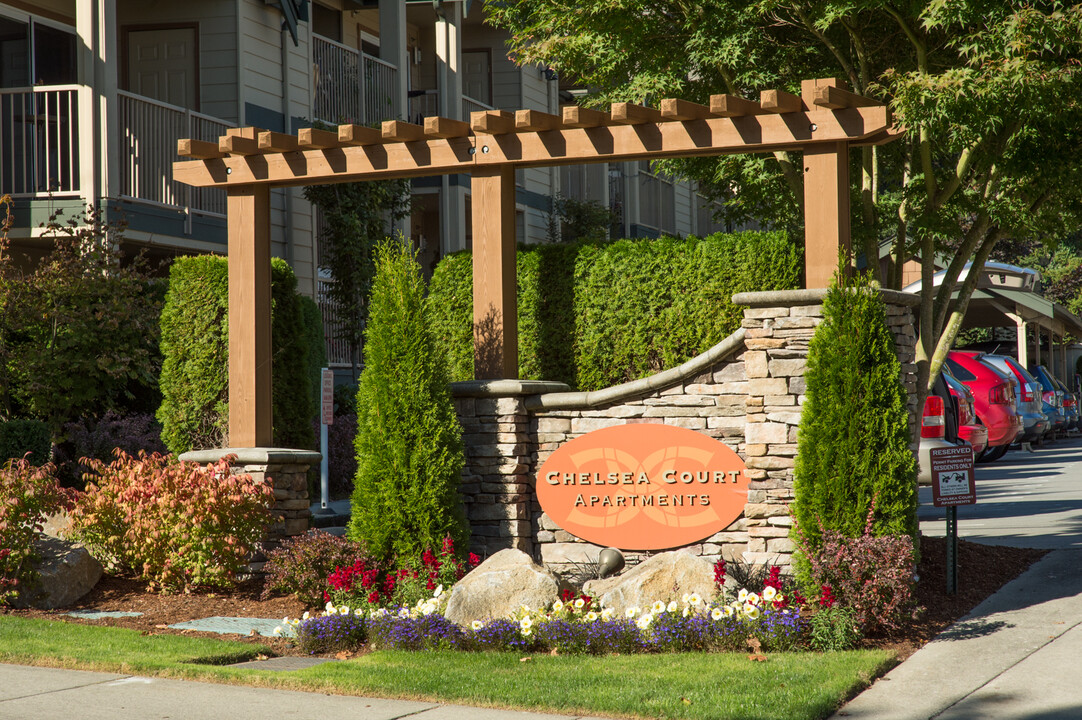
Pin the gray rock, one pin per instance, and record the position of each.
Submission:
(499, 586)
(663, 577)
(68, 572)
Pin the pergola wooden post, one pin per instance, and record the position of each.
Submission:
(822, 123)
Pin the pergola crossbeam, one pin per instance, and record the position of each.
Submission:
(822, 124)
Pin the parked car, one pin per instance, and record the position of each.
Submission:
(1052, 398)
(993, 398)
(1070, 405)
(938, 427)
(1034, 422)
(969, 428)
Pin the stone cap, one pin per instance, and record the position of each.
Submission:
(255, 456)
(666, 378)
(505, 388)
(813, 296)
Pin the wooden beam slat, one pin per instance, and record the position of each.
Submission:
(779, 101)
(493, 122)
(359, 135)
(536, 121)
(238, 145)
(632, 114)
(277, 142)
(836, 98)
(675, 109)
(316, 138)
(619, 143)
(198, 149)
(733, 106)
(250, 132)
(580, 117)
(398, 131)
(441, 127)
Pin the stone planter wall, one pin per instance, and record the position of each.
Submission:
(746, 391)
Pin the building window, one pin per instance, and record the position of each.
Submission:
(327, 22)
(33, 53)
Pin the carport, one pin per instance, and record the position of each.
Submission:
(1008, 295)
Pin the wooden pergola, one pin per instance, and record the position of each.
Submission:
(822, 123)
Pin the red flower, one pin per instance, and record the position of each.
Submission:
(826, 597)
(430, 585)
(448, 546)
(474, 560)
(566, 596)
(373, 597)
(326, 596)
(774, 580)
(719, 572)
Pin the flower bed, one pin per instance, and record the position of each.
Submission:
(767, 621)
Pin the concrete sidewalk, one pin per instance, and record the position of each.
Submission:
(28, 693)
(1017, 656)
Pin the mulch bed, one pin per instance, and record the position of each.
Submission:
(983, 569)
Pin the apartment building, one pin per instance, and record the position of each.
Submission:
(95, 93)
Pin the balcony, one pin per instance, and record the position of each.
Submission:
(351, 86)
(39, 141)
(426, 103)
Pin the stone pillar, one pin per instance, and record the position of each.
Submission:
(497, 487)
(287, 472)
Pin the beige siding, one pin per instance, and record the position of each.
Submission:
(685, 208)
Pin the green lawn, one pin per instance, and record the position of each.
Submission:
(691, 685)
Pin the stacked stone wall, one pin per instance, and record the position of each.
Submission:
(747, 392)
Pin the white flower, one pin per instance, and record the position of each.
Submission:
(727, 611)
(644, 621)
(672, 606)
(525, 609)
(607, 613)
(285, 620)
(579, 604)
(752, 598)
(694, 599)
(685, 598)
(557, 606)
(438, 591)
(717, 614)
(657, 607)
(329, 608)
(277, 631)
(404, 613)
(591, 616)
(525, 623)
(769, 593)
(428, 608)
(742, 595)
(477, 625)
(359, 612)
(687, 610)
(306, 615)
(752, 611)
(631, 612)
(525, 632)
(344, 610)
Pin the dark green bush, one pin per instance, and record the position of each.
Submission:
(598, 314)
(853, 447)
(18, 437)
(195, 346)
(317, 347)
(409, 444)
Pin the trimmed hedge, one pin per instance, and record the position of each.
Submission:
(312, 319)
(19, 437)
(596, 314)
(195, 347)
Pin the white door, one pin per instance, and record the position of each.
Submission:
(162, 65)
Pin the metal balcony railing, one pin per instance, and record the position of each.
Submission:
(39, 140)
(350, 86)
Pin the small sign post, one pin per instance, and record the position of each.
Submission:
(327, 418)
(952, 485)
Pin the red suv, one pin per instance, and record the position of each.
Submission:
(993, 398)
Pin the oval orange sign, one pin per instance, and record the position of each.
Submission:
(643, 486)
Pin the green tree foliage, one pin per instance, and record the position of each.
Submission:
(355, 219)
(853, 444)
(80, 330)
(195, 345)
(599, 314)
(989, 95)
(409, 444)
(573, 219)
(312, 320)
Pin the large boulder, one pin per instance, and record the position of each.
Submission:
(500, 585)
(67, 572)
(663, 577)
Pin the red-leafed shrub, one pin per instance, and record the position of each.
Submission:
(872, 575)
(177, 525)
(27, 495)
(303, 564)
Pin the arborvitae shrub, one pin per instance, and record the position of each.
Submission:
(195, 367)
(317, 347)
(409, 444)
(596, 314)
(853, 443)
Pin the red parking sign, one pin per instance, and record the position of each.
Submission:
(952, 476)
